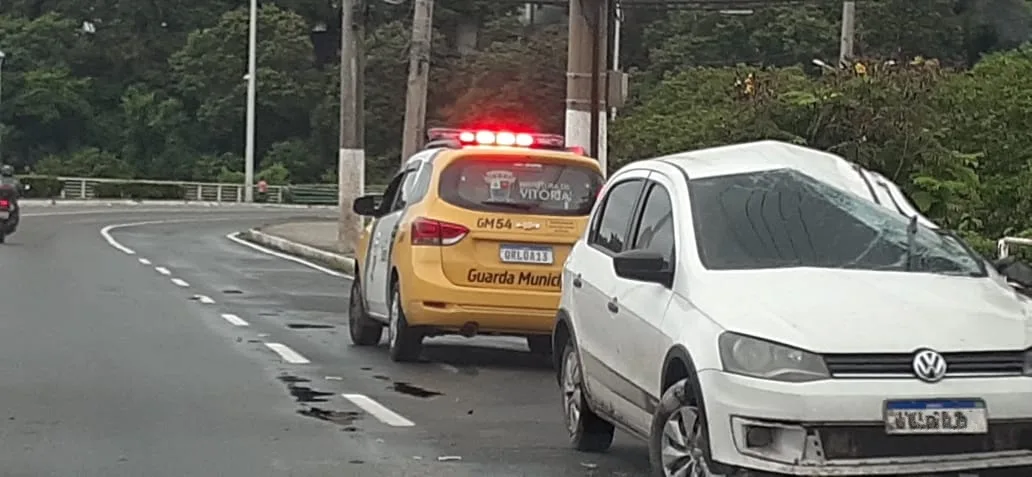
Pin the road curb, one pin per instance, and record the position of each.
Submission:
(335, 261)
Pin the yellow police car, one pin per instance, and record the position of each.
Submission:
(470, 238)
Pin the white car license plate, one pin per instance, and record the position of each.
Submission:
(536, 254)
(4, 215)
(938, 416)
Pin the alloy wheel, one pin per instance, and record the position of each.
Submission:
(392, 328)
(572, 391)
(682, 456)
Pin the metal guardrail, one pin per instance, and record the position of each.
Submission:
(1003, 245)
(84, 188)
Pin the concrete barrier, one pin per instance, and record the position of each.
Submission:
(335, 261)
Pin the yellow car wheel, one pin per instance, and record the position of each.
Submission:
(364, 331)
(406, 343)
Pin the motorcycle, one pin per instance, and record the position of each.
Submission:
(9, 212)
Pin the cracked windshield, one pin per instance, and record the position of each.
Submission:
(441, 238)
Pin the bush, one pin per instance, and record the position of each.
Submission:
(139, 191)
(42, 187)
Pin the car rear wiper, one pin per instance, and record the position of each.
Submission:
(505, 203)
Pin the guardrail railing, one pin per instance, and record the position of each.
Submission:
(86, 188)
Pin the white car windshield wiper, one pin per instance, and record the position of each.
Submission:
(911, 234)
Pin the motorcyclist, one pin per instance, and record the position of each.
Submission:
(12, 189)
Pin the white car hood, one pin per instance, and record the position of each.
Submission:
(849, 311)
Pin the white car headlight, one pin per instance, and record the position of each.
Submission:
(766, 360)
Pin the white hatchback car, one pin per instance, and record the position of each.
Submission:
(765, 309)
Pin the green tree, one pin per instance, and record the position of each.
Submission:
(210, 77)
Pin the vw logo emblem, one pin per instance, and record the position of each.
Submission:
(929, 366)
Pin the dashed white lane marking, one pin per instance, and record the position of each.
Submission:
(144, 261)
(180, 282)
(234, 320)
(207, 300)
(288, 355)
(162, 270)
(235, 236)
(378, 410)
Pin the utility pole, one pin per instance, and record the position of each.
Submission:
(418, 79)
(3, 56)
(848, 35)
(252, 82)
(586, 112)
(351, 162)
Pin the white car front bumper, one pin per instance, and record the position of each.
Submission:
(836, 427)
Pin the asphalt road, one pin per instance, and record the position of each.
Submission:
(194, 355)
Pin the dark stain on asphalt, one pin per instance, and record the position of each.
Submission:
(345, 418)
(381, 377)
(415, 391)
(307, 326)
(303, 393)
(232, 291)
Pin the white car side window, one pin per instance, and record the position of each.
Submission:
(656, 229)
(611, 227)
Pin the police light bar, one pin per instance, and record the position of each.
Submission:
(484, 137)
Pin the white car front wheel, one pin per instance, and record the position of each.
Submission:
(677, 446)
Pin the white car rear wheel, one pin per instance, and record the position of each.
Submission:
(588, 432)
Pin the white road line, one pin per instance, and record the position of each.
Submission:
(205, 299)
(378, 410)
(180, 282)
(145, 261)
(449, 368)
(235, 237)
(288, 355)
(162, 270)
(106, 231)
(234, 320)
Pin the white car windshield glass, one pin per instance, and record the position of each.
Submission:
(783, 218)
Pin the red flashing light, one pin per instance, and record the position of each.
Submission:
(5, 204)
(483, 137)
(436, 233)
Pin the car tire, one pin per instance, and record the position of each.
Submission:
(588, 431)
(540, 344)
(364, 330)
(406, 343)
(679, 418)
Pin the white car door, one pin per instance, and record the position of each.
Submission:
(377, 270)
(641, 306)
(594, 283)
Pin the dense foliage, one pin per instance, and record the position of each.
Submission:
(155, 90)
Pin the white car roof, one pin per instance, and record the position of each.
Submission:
(771, 155)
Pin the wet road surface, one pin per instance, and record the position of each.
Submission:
(195, 355)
